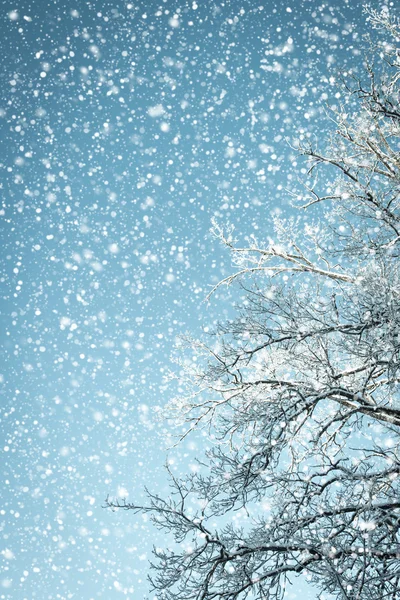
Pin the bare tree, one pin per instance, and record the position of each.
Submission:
(301, 390)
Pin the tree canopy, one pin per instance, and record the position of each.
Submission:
(301, 389)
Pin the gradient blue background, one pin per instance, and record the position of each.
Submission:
(125, 127)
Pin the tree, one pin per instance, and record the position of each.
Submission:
(301, 390)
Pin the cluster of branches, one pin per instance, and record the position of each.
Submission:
(301, 390)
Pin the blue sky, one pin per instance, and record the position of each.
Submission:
(126, 127)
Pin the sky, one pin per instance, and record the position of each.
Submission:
(125, 128)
